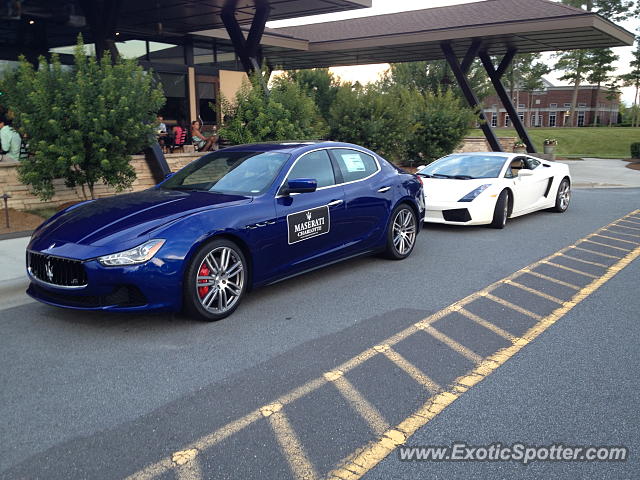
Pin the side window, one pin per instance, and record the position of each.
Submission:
(316, 165)
(531, 163)
(514, 167)
(353, 164)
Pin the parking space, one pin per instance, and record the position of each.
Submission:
(336, 406)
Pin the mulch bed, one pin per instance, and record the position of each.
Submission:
(18, 221)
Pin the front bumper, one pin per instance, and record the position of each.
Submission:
(460, 213)
(154, 285)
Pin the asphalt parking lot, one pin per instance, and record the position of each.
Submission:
(324, 375)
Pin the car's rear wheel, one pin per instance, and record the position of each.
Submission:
(501, 212)
(563, 197)
(216, 280)
(401, 235)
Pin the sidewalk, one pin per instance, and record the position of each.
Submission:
(13, 278)
(602, 173)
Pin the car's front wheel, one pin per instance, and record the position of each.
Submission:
(501, 212)
(563, 197)
(216, 280)
(401, 235)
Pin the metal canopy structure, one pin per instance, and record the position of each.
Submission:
(458, 34)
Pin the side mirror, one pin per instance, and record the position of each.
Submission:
(524, 172)
(301, 185)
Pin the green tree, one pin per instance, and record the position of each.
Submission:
(530, 75)
(374, 117)
(601, 68)
(285, 113)
(632, 79)
(440, 123)
(612, 94)
(81, 124)
(615, 10)
(319, 84)
(576, 66)
(436, 76)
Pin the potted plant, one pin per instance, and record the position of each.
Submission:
(550, 145)
(519, 147)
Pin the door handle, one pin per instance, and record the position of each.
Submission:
(335, 203)
(384, 189)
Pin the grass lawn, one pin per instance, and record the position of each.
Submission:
(601, 142)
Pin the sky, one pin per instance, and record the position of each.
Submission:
(369, 73)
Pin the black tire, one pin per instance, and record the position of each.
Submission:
(199, 299)
(401, 233)
(501, 212)
(563, 196)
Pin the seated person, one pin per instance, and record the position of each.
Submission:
(9, 139)
(202, 143)
(515, 167)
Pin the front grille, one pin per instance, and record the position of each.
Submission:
(56, 271)
(456, 215)
(124, 296)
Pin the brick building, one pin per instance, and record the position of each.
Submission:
(550, 107)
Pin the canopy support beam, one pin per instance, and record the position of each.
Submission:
(247, 49)
(467, 91)
(495, 75)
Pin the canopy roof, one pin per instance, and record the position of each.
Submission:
(527, 25)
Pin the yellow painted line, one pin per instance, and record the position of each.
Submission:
(569, 269)
(622, 233)
(625, 226)
(361, 405)
(595, 252)
(413, 371)
(289, 443)
(356, 465)
(588, 240)
(554, 280)
(546, 296)
(629, 221)
(189, 471)
(207, 441)
(451, 343)
(513, 306)
(488, 325)
(618, 239)
(587, 262)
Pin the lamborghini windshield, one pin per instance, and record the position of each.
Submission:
(234, 172)
(465, 166)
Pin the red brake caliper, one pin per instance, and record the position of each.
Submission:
(203, 272)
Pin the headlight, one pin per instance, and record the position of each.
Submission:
(469, 197)
(140, 254)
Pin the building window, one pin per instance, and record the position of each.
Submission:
(581, 119)
(552, 119)
(507, 121)
(522, 105)
(567, 105)
(536, 120)
(494, 119)
(553, 105)
(582, 105)
(521, 117)
(537, 101)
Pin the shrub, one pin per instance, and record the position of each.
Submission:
(286, 113)
(635, 150)
(81, 124)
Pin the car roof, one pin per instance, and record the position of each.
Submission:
(292, 147)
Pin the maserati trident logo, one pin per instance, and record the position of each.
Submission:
(48, 270)
(308, 215)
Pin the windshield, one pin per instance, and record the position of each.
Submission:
(465, 166)
(236, 173)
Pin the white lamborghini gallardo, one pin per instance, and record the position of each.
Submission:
(488, 188)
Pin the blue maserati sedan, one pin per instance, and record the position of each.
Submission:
(234, 219)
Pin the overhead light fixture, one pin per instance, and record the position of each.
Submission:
(31, 22)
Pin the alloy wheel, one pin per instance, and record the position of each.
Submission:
(404, 231)
(219, 280)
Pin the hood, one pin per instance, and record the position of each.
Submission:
(451, 189)
(131, 215)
